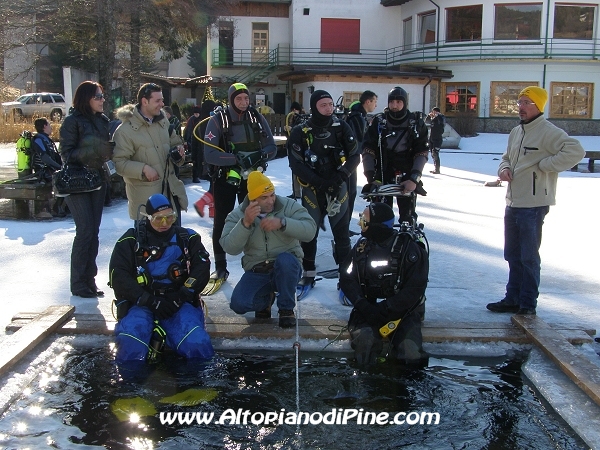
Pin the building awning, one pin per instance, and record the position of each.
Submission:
(204, 80)
(393, 2)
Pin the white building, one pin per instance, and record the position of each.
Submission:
(460, 56)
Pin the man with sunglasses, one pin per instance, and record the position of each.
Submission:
(390, 265)
(157, 271)
(146, 152)
(537, 151)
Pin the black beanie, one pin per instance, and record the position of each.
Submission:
(318, 118)
(397, 93)
(381, 222)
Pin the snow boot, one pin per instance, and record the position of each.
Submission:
(206, 200)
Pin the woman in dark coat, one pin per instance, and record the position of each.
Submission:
(84, 140)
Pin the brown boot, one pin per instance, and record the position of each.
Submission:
(287, 318)
(266, 313)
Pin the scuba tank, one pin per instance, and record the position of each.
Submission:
(24, 153)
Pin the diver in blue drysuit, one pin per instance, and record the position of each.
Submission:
(157, 271)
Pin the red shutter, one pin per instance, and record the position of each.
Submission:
(340, 35)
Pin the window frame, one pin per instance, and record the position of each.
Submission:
(448, 23)
(512, 98)
(539, 31)
(458, 85)
(593, 7)
(407, 46)
(350, 97)
(554, 99)
(260, 33)
(422, 16)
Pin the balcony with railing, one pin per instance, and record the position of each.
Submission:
(486, 49)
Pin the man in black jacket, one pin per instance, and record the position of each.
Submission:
(357, 119)
(395, 151)
(393, 266)
(438, 122)
(237, 141)
(323, 154)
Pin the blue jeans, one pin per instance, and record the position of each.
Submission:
(522, 240)
(86, 209)
(253, 291)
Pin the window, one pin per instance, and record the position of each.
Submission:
(260, 40)
(504, 96)
(464, 24)
(407, 34)
(351, 97)
(573, 22)
(572, 100)
(340, 35)
(225, 43)
(460, 97)
(427, 33)
(517, 22)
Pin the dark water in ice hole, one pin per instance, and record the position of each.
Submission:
(484, 403)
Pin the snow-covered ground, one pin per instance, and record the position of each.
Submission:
(464, 225)
(463, 222)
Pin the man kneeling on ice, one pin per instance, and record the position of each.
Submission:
(157, 271)
(390, 265)
(268, 229)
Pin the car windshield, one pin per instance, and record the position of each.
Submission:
(23, 98)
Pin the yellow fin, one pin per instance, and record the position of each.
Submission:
(124, 408)
(190, 397)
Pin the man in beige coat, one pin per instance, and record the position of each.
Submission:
(145, 154)
(537, 151)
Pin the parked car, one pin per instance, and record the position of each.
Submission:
(45, 104)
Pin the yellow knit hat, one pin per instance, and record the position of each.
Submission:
(538, 95)
(258, 184)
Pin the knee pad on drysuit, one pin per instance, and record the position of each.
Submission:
(186, 333)
(132, 334)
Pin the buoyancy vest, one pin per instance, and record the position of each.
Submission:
(324, 152)
(163, 267)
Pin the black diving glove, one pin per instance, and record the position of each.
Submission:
(181, 296)
(162, 307)
(374, 313)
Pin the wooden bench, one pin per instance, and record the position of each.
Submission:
(591, 156)
(30, 196)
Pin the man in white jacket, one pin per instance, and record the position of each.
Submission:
(537, 151)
